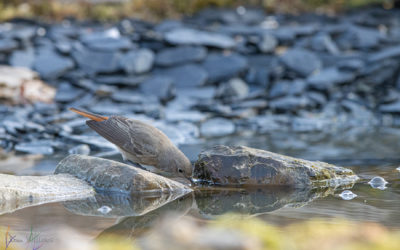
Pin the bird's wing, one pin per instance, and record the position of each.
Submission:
(132, 136)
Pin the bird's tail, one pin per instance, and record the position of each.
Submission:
(95, 117)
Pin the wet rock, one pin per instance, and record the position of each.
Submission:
(50, 65)
(137, 61)
(378, 183)
(347, 195)
(223, 67)
(216, 127)
(234, 89)
(186, 36)
(162, 87)
(114, 176)
(328, 78)
(301, 61)
(180, 55)
(186, 76)
(82, 149)
(17, 192)
(241, 165)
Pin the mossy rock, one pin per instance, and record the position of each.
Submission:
(244, 166)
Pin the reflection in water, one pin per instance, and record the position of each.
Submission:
(121, 205)
(135, 226)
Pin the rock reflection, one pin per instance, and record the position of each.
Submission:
(254, 201)
(121, 205)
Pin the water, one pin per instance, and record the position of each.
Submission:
(368, 155)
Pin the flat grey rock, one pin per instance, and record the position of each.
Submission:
(216, 127)
(113, 176)
(186, 76)
(137, 61)
(223, 67)
(186, 36)
(180, 55)
(301, 61)
(238, 166)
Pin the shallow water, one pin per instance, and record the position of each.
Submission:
(367, 154)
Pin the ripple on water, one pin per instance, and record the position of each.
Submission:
(347, 195)
(378, 183)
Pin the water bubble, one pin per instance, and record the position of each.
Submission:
(104, 209)
(347, 195)
(378, 182)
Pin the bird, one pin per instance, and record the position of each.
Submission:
(141, 143)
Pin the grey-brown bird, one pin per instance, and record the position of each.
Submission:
(141, 143)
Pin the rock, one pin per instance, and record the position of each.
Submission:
(17, 192)
(328, 78)
(301, 61)
(186, 36)
(290, 103)
(180, 55)
(137, 61)
(67, 93)
(93, 62)
(185, 76)
(235, 88)
(267, 44)
(384, 54)
(283, 88)
(378, 183)
(22, 58)
(390, 108)
(20, 85)
(50, 65)
(34, 148)
(223, 67)
(104, 42)
(82, 149)
(216, 127)
(347, 195)
(162, 87)
(324, 42)
(114, 176)
(121, 80)
(7, 45)
(237, 166)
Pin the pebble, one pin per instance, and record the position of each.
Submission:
(180, 55)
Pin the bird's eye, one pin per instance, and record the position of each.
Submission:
(180, 170)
